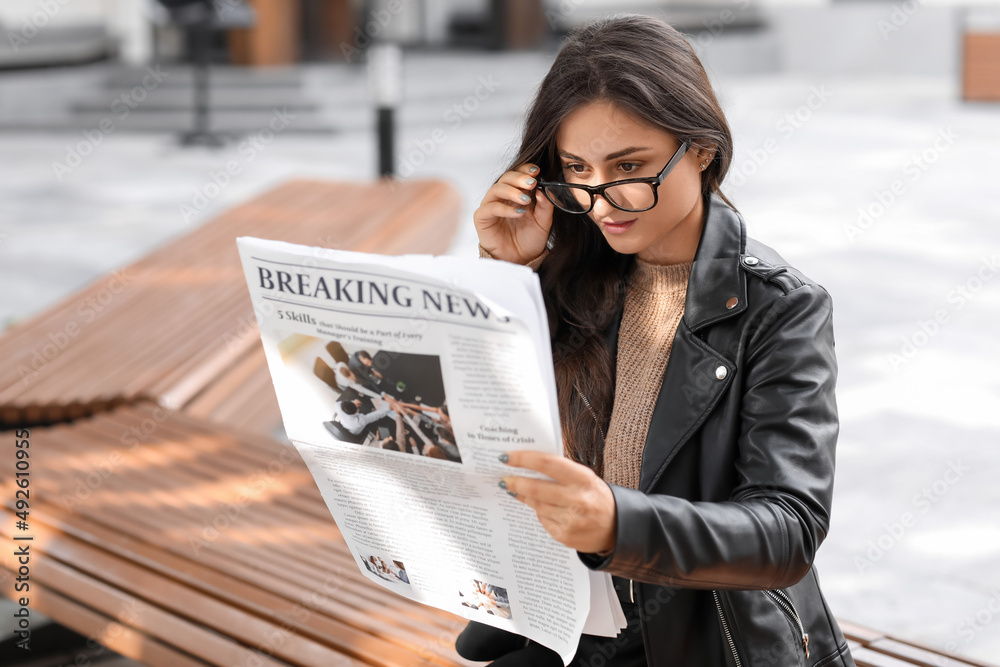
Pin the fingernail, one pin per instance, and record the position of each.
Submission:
(503, 458)
(512, 494)
(532, 169)
(502, 484)
(519, 210)
(530, 181)
(525, 198)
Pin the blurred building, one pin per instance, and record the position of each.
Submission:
(810, 36)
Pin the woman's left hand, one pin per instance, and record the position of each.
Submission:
(577, 508)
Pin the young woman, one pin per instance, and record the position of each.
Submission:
(703, 485)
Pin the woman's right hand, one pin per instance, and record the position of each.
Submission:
(505, 233)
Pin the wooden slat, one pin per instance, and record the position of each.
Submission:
(859, 633)
(193, 612)
(179, 322)
(105, 630)
(865, 657)
(156, 473)
(915, 655)
(127, 542)
(133, 528)
(242, 396)
(148, 619)
(878, 649)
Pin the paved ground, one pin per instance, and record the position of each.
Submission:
(915, 543)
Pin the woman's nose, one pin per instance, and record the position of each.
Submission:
(601, 205)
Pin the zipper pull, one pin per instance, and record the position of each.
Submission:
(631, 595)
(805, 643)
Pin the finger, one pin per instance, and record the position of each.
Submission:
(527, 168)
(557, 467)
(519, 179)
(538, 490)
(511, 194)
(499, 209)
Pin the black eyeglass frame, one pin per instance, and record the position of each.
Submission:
(653, 181)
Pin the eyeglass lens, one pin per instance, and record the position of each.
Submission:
(629, 197)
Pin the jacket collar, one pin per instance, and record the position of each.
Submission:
(715, 273)
(697, 373)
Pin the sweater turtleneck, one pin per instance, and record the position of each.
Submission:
(654, 305)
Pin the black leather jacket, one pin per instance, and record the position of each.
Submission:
(737, 471)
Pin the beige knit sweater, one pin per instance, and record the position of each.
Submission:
(654, 305)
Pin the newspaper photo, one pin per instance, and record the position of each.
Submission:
(400, 380)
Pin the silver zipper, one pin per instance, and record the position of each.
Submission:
(781, 599)
(725, 627)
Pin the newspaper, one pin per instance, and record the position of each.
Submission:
(400, 380)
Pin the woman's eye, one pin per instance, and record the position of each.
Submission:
(625, 167)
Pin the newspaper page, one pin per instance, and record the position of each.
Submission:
(400, 380)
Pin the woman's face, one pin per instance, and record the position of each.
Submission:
(669, 232)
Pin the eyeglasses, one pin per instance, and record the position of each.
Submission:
(630, 194)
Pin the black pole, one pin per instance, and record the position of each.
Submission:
(497, 28)
(203, 47)
(386, 137)
(385, 77)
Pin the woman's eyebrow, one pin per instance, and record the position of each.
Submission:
(611, 156)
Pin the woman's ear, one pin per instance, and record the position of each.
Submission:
(706, 153)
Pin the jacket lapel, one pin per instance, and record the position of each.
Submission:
(691, 386)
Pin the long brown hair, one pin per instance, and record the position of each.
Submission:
(647, 69)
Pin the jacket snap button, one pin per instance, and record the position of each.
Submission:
(732, 302)
(750, 260)
(720, 372)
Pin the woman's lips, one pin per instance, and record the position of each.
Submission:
(618, 227)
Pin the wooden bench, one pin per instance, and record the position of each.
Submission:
(167, 524)
(871, 648)
(177, 542)
(169, 326)
(241, 396)
(168, 402)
